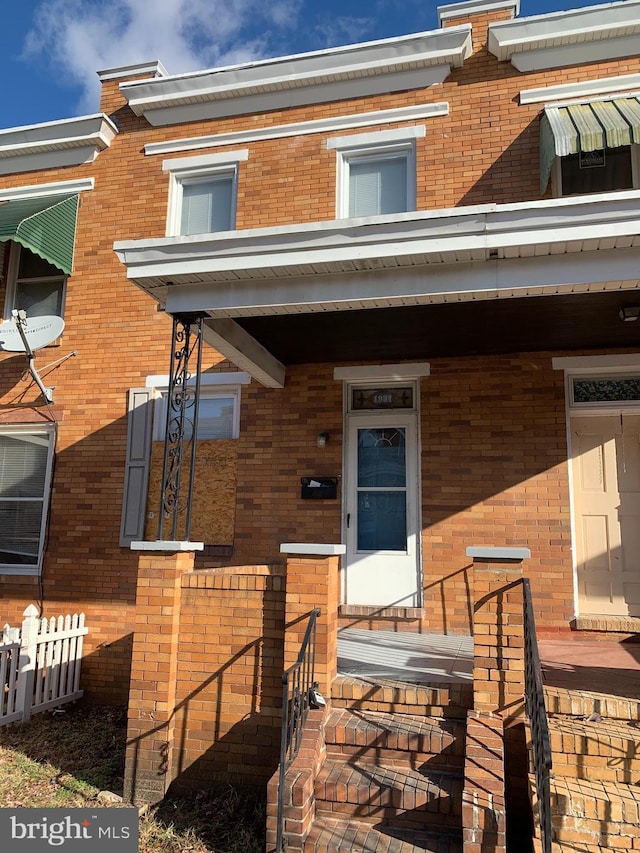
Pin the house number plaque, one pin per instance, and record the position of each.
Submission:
(395, 397)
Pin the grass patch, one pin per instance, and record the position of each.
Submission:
(65, 760)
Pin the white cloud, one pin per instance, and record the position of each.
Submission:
(80, 37)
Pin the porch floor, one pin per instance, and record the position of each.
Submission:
(402, 656)
(601, 666)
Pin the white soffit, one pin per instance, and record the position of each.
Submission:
(571, 37)
(476, 7)
(406, 62)
(69, 142)
(624, 84)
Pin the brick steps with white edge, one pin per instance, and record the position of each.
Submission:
(440, 699)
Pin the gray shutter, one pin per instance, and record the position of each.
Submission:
(136, 478)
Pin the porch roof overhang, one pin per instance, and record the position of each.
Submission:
(314, 277)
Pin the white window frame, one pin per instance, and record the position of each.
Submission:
(50, 432)
(211, 386)
(13, 282)
(556, 174)
(189, 170)
(374, 147)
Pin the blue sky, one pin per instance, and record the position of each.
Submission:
(50, 50)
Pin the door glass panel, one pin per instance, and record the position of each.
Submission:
(382, 521)
(382, 458)
(382, 479)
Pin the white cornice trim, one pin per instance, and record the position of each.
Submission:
(350, 71)
(566, 38)
(476, 7)
(602, 86)
(386, 372)
(302, 128)
(153, 68)
(55, 144)
(41, 190)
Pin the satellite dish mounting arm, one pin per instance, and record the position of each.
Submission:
(20, 318)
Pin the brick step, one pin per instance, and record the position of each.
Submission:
(601, 814)
(391, 739)
(582, 703)
(606, 750)
(433, 700)
(348, 836)
(393, 795)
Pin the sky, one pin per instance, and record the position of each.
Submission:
(50, 50)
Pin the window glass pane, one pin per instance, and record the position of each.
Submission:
(382, 521)
(381, 458)
(606, 390)
(33, 266)
(40, 298)
(207, 206)
(20, 524)
(23, 465)
(377, 186)
(23, 469)
(215, 418)
(614, 174)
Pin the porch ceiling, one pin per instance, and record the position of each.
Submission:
(558, 323)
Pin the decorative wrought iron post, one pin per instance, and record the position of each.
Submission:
(183, 399)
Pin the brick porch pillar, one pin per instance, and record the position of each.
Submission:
(312, 581)
(498, 691)
(149, 757)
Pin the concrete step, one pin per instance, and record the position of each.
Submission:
(607, 750)
(348, 836)
(582, 703)
(440, 699)
(393, 795)
(601, 814)
(394, 739)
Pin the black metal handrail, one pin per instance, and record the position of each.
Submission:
(298, 684)
(537, 714)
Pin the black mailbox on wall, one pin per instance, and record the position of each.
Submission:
(319, 488)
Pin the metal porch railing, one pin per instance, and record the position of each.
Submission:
(298, 683)
(537, 714)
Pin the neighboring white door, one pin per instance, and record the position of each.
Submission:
(606, 484)
(381, 561)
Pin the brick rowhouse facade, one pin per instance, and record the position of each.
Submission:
(493, 462)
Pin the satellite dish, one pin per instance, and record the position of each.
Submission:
(38, 331)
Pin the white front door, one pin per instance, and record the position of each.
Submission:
(606, 489)
(381, 491)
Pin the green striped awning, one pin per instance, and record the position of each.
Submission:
(586, 127)
(46, 226)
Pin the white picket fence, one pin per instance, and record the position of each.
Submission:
(39, 664)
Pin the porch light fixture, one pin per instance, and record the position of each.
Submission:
(323, 438)
(629, 313)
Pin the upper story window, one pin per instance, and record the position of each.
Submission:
(376, 172)
(203, 193)
(588, 147)
(33, 284)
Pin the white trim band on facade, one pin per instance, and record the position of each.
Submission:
(152, 69)
(187, 164)
(167, 546)
(476, 7)
(597, 363)
(385, 372)
(377, 138)
(42, 190)
(498, 553)
(302, 128)
(619, 86)
(313, 550)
